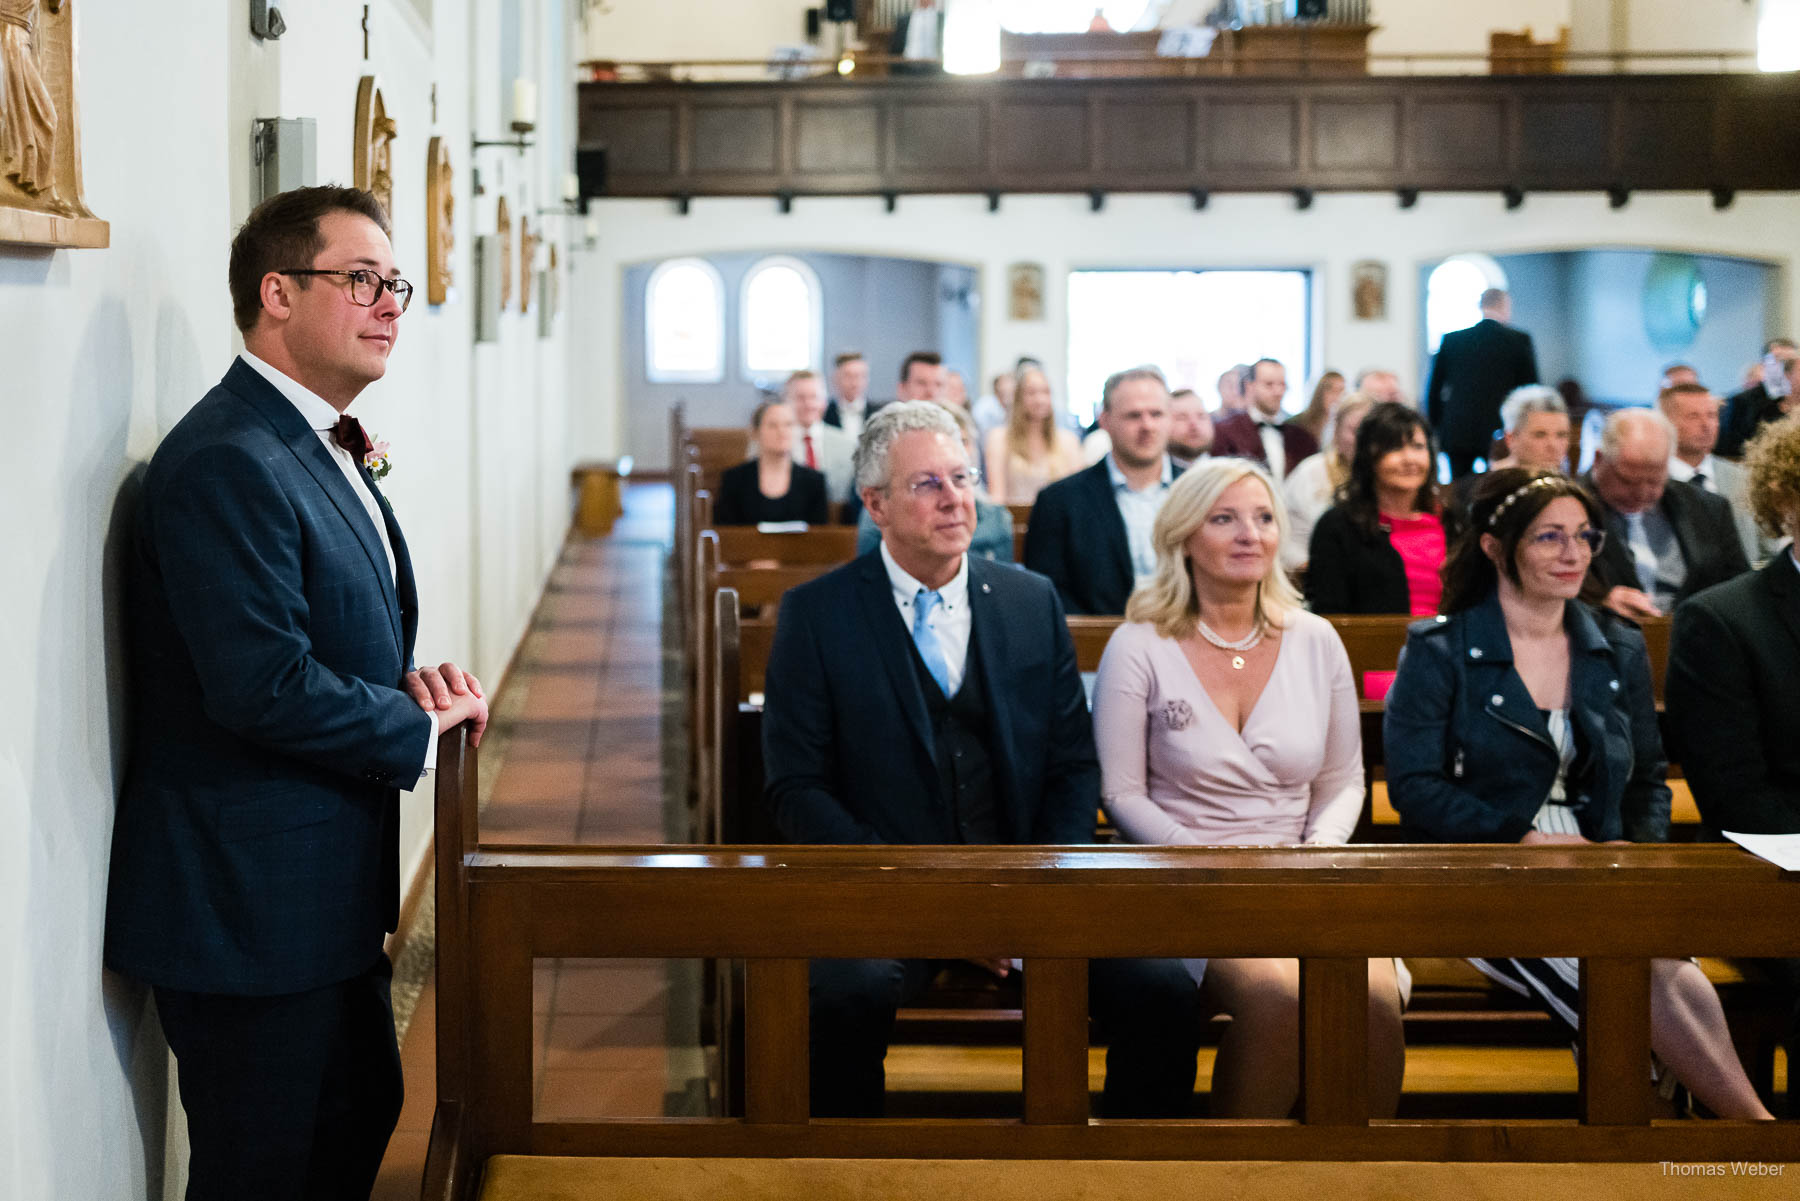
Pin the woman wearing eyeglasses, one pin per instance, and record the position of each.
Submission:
(1522, 715)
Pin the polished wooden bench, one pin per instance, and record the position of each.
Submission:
(774, 908)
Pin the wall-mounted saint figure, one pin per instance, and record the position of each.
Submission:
(527, 256)
(28, 115)
(440, 221)
(372, 143)
(503, 226)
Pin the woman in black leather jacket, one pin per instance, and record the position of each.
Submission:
(1520, 715)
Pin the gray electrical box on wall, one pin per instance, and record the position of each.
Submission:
(487, 288)
(286, 153)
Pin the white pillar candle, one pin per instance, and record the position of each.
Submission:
(524, 102)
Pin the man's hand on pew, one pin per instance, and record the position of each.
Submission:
(1001, 968)
(1539, 838)
(453, 694)
(1630, 603)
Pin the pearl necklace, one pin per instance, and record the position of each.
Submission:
(1247, 642)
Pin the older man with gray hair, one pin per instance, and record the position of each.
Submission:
(1534, 421)
(1665, 540)
(920, 695)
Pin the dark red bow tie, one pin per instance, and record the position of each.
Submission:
(348, 433)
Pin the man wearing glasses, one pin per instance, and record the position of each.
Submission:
(919, 695)
(275, 716)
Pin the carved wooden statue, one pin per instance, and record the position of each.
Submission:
(527, 255)
(372, 144)
(503, 224)
(40, 152)
(440, 221)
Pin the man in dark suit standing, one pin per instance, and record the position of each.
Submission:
(919, 38)
(850, 405)
(275, 715)
(1259, 432)
(1090, 532)
(1665, 540)
(921, 696)
(1474, 370)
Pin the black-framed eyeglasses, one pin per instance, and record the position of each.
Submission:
(365, 285)
(1560, 539)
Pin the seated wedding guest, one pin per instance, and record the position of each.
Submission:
(817, 443)
(1225, 714)
(1259, 433)
(771, 487)
(920, 695)
(993, 537)
(1312, 487)
(1534, 423)
(850, 406)
(1090, 533)
(1524, 716)
(1733, 661)
(1029, 451)
(1771, 391)
(1380, 384)
(1665, 540)
(1694, 413)
(1231, 389)
(1326, 395)
(1378, 550)
(991, 410)
(1190, 428)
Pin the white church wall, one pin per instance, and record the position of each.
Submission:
(102, 352)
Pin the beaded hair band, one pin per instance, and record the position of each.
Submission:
(1516, 493)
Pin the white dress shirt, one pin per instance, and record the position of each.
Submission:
(951, 622)
(322, 416)
(850, 416)
(1274, 449)
(1708, 471)
(1138, 510)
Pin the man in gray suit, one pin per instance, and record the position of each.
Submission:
(1695, 413)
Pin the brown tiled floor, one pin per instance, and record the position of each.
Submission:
(578, 732)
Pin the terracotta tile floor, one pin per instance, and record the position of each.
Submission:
(578, 736)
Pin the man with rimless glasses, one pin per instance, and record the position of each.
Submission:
(921, 695)
(276, 716)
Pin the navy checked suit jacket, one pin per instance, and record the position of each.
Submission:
(255, 849)
(847, 740)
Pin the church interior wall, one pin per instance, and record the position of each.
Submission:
(1061, 234)
(103, 351)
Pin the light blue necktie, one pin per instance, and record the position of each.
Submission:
(1643, 556)
(927, 642)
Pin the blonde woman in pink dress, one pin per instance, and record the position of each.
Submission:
(1225, 714)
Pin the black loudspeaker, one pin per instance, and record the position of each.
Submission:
(1312, 10)
(590, 172)
(840, 10)
(814, 24)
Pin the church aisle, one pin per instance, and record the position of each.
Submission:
(575, 755)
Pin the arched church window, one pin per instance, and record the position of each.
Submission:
(783, 315)
(1453, 294)
(684, 323)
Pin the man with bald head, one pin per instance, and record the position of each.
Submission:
(1379, 384)
(1665, 540)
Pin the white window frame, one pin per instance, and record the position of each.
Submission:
(652, 370)
(815, 314)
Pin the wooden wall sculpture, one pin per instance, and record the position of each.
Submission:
(40, 144)
(440, 221)
(527, 255)
(503, 226)
(372, 143)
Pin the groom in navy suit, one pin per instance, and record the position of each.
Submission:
(275, 716)
(919, 695)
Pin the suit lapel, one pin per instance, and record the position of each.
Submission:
(1783, 582)
(304, 442)
(993, 651)
(1106, 510)
(892, 642)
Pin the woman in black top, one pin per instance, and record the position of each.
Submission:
(1380, 547)
(771, 487)
(1522, 715)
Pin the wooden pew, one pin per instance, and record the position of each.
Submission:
(498, 910)
(717, 448)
